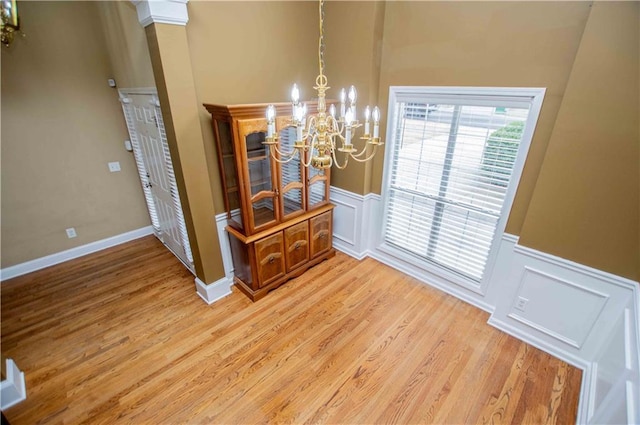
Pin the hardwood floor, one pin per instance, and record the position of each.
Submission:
(121, 337)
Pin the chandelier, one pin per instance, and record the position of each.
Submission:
(9, 20)
(320, 134)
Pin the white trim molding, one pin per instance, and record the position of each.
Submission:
(225, 248)
(222, 287)
(70, 254)
(586, 317)
(162, 12)
(214, 291)
(352, 221)
(12, 389)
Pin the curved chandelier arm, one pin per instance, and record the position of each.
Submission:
(373, 152)
(290, 156)
(363, 151)
(336, 163)
(306, 164)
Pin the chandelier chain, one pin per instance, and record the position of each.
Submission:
(321, 39)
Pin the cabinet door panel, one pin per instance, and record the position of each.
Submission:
(292, 175)
(229, 172)
(296, 241)
(320, 233)
(318, 191)
(269, 259)
(260, 175)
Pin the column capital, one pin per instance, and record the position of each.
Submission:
(162, 11)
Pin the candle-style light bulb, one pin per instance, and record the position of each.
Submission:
(376, 122)
(348, 118)
(353, 95)
(376, 115)
(332, 110)
(295, 94)
(271, 117)
(367, 116)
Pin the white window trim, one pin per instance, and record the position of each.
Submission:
(508, 96)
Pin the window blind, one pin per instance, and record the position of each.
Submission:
(449, 173)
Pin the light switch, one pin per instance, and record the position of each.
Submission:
(114, 166)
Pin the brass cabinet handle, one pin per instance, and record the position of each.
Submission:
(271, 259)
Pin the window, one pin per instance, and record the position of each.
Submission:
(453, 160)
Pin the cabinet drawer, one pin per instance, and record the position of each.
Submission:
(269, 259)
(320, 233)
(296, 245)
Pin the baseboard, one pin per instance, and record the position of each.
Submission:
(346, 248)
(431, 280)
(70, 254)
(214, 291)
(12, 389)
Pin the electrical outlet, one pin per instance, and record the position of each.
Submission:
(521, 303)
(114, 166)
(71, 232)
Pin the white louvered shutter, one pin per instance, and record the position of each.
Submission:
(129, 117)
(173, 185)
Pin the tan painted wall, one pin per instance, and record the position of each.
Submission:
(502, 44)
(585, 206)
(353, 34)
(249, 52)
(61, 124)
(126, 44)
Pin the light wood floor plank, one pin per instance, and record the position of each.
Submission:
(120, 336)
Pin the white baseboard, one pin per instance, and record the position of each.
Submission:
(214, 291)
(12, 389)
(70, 254)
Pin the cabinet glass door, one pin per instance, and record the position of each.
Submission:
(292, 190)
(229, 174)
(260, 170)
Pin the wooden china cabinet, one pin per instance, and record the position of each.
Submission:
(279, 218)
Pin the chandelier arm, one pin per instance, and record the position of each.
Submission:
(283, 161)
(362, 152)
(307, 164)
(289, 155)
(373, 152)
(336, 163)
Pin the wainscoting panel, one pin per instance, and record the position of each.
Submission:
(541, 302)
(352, 221)
(584, 316)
